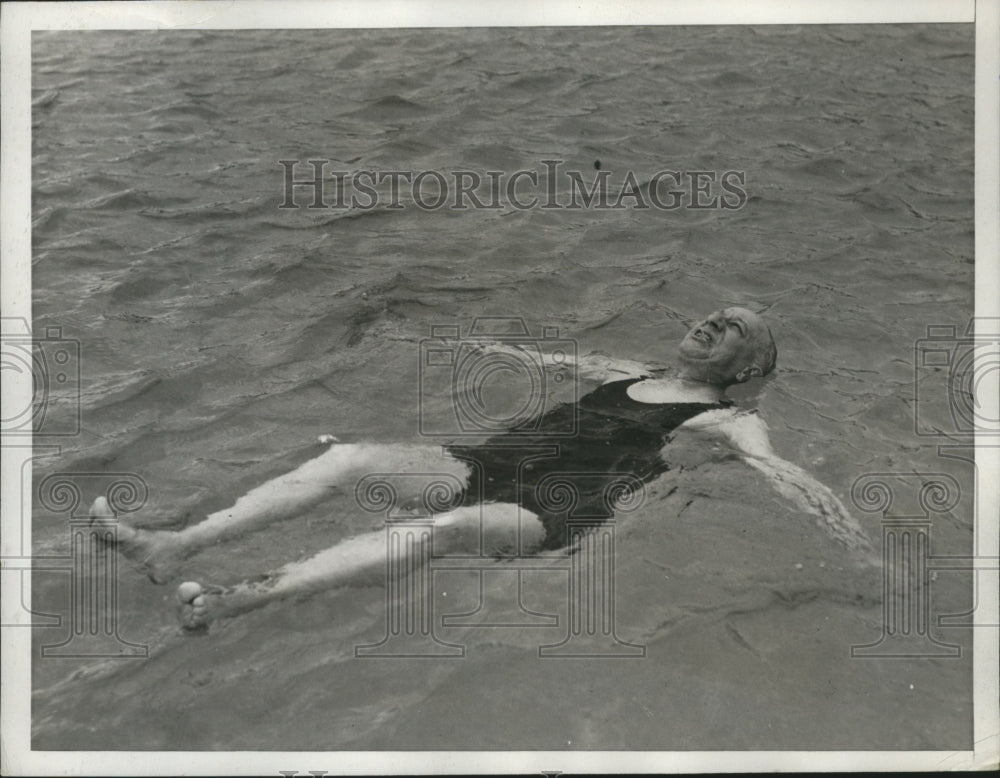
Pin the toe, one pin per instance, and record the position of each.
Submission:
(100, 509)
(189, 591)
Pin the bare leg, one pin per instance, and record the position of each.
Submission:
(280, 498)
(359, 558)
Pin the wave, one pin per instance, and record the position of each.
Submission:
(187, 109)
(733, 78)
(312, 219)
(390, 108)
(222, 209)
(130, 199)
(45, 99)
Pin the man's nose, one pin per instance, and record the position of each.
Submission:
(716, 320)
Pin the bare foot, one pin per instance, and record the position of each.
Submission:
(196, 605)
(201, 605)
(158, 553)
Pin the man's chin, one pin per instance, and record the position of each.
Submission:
(700, 367)
(693, 351)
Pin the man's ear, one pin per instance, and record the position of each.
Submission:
(747, 373)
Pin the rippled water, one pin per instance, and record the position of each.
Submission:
(220, 333)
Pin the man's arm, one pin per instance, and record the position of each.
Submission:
(605, 369)
(746, 431)
(589, 367)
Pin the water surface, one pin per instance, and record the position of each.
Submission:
(221, 333)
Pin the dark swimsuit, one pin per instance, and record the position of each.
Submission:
(557, 476)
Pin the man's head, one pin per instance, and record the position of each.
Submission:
(728, 347)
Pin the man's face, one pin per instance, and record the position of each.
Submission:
(724, 343)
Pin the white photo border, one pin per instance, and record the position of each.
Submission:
(18, 20)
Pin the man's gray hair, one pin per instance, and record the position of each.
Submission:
(768, 356)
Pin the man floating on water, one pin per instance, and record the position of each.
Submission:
(624, 426)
